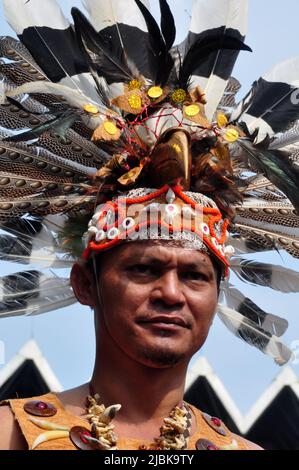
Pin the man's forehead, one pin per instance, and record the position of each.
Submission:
(163, 252)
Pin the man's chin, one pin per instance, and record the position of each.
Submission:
(162, 357)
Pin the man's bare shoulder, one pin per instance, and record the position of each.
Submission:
(249, 444)
(10, 437)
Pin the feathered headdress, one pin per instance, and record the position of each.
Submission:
(105, 114)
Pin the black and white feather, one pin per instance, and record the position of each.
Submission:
(33, 293)
(215, 18)
(276, 277)
(254, 335)
(269, 322)
(50, 38)
(272, 103)
(118, 28)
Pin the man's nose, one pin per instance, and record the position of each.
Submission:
(168, 290)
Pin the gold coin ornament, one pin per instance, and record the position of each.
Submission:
(222, 120)
(155, 92)
(192, 110)
(106, 131)
(91, 109)
(110, 127)
(135, 101)
(179, 96)
(231, 135)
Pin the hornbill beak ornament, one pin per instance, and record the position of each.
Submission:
(171, 160)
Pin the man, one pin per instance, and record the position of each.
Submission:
(168, 139)
(154, 305)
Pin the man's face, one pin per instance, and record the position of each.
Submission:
(157, 302)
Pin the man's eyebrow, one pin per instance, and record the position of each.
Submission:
(156, 260)
(141, 258)
(196, 265)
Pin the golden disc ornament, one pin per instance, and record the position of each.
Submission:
(196, 113)
(131, 102)
(106, 131)
(155, 92)
(222, 120)
(110, 127)
(91, 109)
(231, 135)
(192, 110)
(135, 102)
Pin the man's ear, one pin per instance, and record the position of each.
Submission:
(82, 282)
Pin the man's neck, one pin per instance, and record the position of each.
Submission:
(145, 393)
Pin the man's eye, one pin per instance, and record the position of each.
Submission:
(195, 276)
(142, 269)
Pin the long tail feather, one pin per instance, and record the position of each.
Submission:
(287, 140)
(73, 146)
(30, 240)
(267, 275)
(13, 52)
(123, 28)
(215, 17)
(228, 100)
(60, 125)
(15, 250)
(275, 166)
(269, 322)
(74, 98)
(203, 48)
(269, 224)
(254, 336)
(160, 45)
(167, 24)
(269, 107)
(48, 35)
(110, 65)
(242, 244)
(33, 293)
(64, 170)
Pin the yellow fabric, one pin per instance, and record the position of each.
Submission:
(63, 417)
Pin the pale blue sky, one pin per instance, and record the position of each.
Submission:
(66, 336)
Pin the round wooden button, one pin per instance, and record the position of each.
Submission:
(40, 408)
(79, 435)
(204, 444)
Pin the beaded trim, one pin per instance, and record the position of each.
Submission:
(164, 214)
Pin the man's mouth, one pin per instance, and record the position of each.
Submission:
(166, 322)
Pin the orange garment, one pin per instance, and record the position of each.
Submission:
(63, 417)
